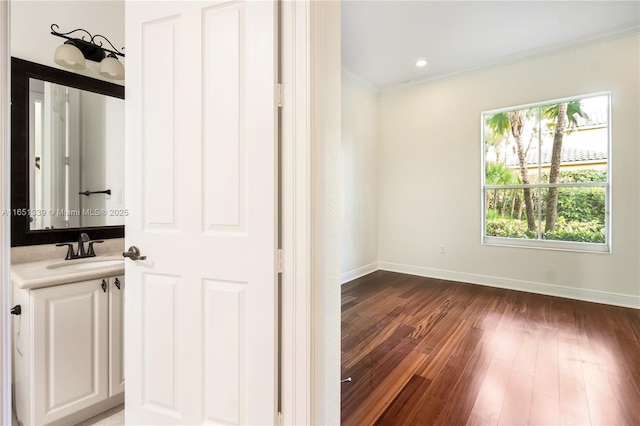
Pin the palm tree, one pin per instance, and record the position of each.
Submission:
(564, 114)
(499, 174)
(513, 122)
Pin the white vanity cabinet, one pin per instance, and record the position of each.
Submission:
(68, 351)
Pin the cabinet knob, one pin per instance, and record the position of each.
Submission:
(117, 283)
(16, 310)
(104, 286)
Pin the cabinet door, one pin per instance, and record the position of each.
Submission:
(116, 335)
(70, 348)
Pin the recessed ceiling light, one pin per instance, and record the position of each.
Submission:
(421, 63)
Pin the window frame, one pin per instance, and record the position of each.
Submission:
(540, 243)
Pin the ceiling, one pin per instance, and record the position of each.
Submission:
(381, 40)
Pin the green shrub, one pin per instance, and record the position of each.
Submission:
(493, 214)
(582, 204)
(584, 175)
(507, 228)
(589, 232)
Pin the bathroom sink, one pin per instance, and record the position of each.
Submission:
(51, 272)
(85, 264)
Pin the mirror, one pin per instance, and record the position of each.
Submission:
(67, 158)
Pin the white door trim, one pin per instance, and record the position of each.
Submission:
(5, 220)
(310, 222)
(325, 209)
(295, 207)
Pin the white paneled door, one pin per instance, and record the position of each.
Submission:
(201, 185)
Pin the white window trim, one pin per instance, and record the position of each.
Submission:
(539, 243)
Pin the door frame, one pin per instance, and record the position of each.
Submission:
(310, 167)
(5, 220)
(310, 213)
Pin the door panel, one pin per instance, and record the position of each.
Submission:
(202, 195)
(223, 113)
(160, 38)
(224, 326)
(160, 342)
(70, 327)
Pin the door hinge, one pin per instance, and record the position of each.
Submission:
(280, 95)
(280, 419)
(280, 261)
(66, 161)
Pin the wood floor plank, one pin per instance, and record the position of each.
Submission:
(438, 358)
(544, 410)
(370, 366)
(516, 407)
(602, 398)
(435, 339)
(378, 397)
(405, 401)
(628, 396)
(434, 401)
(459, 406)
(527, 352)
(546, 376)
(506, 342)
(574, 408)
(371, 337)
(424, 351)
(488, 404)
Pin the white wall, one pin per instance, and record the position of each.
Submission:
(359, 207)
(31, 21)
(430, 168)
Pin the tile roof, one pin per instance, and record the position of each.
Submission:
(569, 155)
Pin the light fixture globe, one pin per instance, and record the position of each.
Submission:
(111, 67)
(69, 56)
(73, 53)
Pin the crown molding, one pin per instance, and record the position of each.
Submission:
(361, 81)
(513, 58)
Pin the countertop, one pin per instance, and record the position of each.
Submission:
(46, 273)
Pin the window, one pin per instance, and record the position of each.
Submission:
(546, 175)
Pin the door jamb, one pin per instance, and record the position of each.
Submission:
(5, 220)
(310, 211)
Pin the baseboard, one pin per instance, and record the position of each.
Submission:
(345, 277)
(596, 296)
(92, 411)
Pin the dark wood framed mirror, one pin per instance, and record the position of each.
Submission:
(35, 219)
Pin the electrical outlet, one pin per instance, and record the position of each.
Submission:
(442, 251)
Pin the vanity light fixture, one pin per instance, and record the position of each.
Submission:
(74, 51)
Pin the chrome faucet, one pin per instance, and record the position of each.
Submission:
(80, 252)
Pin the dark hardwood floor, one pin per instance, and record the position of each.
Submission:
(423, 351)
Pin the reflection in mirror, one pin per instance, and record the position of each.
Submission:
(67, 156)
(76, 152)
